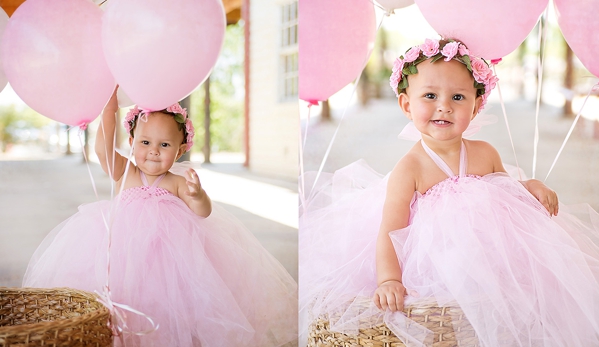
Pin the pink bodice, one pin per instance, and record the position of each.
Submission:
(144, 192)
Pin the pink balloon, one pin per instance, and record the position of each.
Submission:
(578, 23)
(160, 51)
(335, 38)
(390, 5)
(490, 28)
(52, 55)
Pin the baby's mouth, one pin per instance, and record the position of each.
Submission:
(441, 122)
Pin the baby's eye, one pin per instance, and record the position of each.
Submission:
(430, 96)
(145, 142)
(165, 144)
(458, 97)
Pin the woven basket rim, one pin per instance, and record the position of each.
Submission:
(62, 323)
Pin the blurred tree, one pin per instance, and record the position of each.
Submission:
(226, 98)
(13, 121)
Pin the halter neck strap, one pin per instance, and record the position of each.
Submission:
(443, 165)
(144, 180)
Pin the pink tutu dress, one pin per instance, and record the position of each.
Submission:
(205, 281)
(521, 277)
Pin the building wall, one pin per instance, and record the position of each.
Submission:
(274, 123)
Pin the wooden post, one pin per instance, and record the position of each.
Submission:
(569, 81)
(326, 111)
(245, 14)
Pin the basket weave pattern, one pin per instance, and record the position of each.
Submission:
(441, 321)
(52, 317)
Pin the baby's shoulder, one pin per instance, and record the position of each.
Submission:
(175, 180)
(406, 170)
(479, 146)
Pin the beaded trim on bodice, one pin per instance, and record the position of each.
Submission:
(142, 192)
(146, 191)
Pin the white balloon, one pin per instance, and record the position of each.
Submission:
(3, 23)
(124, 100)
(391, 5)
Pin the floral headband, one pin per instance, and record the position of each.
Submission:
(179, 113)
(484, 79)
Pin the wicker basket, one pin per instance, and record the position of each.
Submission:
(441, 321)
(52, 317)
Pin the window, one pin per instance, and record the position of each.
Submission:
(289, 52)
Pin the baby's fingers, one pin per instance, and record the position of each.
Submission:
(377, 301)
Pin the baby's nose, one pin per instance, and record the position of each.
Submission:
(443, 106)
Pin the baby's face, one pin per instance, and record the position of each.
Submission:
(158, 143)
(441, 99)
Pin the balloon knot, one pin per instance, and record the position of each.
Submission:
(495, 61)
(312, 103)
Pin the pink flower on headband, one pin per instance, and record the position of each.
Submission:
(463, 50)
(394, 81)
(130, 118)
(450, 50)
(480, 70)
(190, 133)
(430, 47)
(398, 65)
(176, 108)
(412, 54)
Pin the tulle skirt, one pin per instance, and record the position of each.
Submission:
(205, 282)
(484, 244)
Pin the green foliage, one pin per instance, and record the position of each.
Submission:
(13, 120)
(226, 97)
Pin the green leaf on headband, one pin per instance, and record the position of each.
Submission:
(403, 84)
(436, 57)
(420, 59)
(467, 62)
(179, 118)
(413, 69)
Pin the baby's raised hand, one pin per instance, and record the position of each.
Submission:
(194, 188)
(390, 295)
(544, 194)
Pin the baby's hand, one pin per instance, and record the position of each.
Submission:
(390, 295)
(194, 188)
(546, 196)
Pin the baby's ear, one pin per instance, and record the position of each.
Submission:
(404, 104)
(130, 140)
(181, 151)
(477, 103)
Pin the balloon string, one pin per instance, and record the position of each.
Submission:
(301, 183)
(595, 87)
(507, 124)
(118, 318)
(307, 125)
(540, 61)
(328, 151)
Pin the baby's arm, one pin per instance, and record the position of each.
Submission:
(538, 189)
(105, 140)
(193, 195)
(396, 213)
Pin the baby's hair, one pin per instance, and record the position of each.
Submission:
(181, 126)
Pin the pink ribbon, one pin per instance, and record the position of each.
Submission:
(118, 316)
